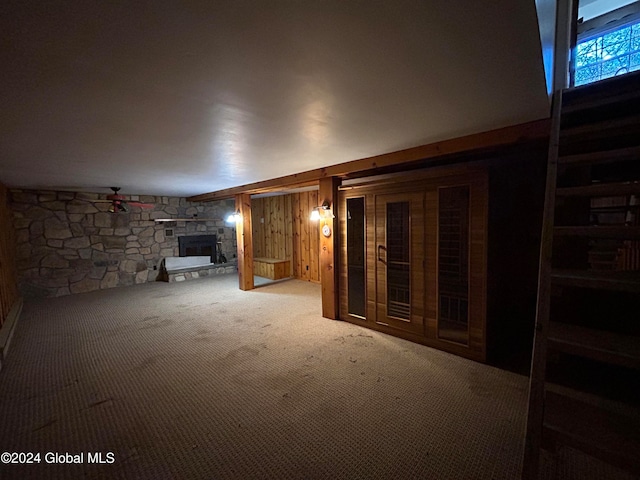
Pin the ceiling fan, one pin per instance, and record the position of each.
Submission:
(120, 204)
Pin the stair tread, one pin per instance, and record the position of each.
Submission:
(613, 209)
(616, 406)
(608, 347)
(602, 101)
(616, 155)
(610, 436)
(601, 126)
(600, 231)
(601, 189)
(625, 281)
(603, 253)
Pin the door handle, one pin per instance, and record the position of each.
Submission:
(380, 248)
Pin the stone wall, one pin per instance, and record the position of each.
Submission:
(66, 243)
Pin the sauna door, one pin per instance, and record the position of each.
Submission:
(399, 252)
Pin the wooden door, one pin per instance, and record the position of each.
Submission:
(399, 251)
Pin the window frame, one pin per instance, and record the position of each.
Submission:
(599, 27)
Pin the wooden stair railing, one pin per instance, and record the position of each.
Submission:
(585, 374)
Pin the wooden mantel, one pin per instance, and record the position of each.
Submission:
(503, 137)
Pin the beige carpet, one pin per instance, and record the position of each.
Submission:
(201, 380)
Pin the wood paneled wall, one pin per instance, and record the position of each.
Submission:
(306, 237)
(8, 285)
(282, 229)
(271, 219)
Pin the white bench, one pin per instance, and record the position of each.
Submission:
(176, 264)
(179, 269)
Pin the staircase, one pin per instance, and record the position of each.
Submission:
(585, 378)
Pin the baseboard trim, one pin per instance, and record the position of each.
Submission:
(6, 332)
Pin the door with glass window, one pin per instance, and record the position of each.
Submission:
(399, 250)
(414, 259)
(453, 264)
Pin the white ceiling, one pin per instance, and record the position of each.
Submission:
(182, 98)
(588, 9)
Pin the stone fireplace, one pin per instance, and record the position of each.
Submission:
(198, 258)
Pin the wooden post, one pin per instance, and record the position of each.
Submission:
(329, 247)
(244, 235)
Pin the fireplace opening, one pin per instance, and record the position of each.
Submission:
(197, 246)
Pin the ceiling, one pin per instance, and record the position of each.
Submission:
(589, 9)
(182, 98)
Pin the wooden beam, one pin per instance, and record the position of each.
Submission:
(329, 248)
(244, 235)
(515, 134)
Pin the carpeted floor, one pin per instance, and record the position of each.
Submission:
(201, 380)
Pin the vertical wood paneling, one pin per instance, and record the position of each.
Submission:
(244, 234)
(8, 276)
(270, 227)
(344, 267)
(297, 241)
(372, 263)
(305, 244)
(257, 226)
(287, 233)
(262, 227)
(479, 207)
(304, 236)
(272, 219)
(418, 251)
(314, 240)
(379, 239)
(282, 227)
(288, 253)
(431, 245)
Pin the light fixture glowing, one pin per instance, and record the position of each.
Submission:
(234, 217)
(323, 210)
(315, 214)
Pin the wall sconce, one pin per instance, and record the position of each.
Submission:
(323, 211)
(234, 217)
